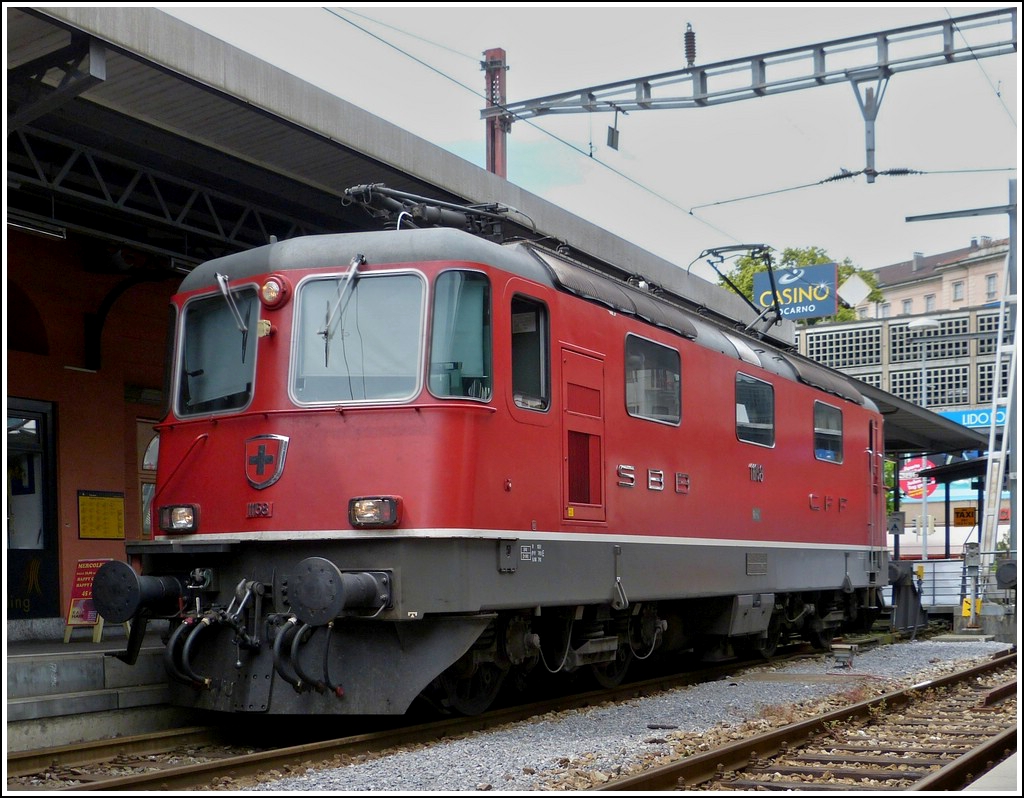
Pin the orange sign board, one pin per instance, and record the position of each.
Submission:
(965, 516)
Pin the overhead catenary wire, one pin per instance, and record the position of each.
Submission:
(574, 147)
(589, 151)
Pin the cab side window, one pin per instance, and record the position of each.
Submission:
(531, 380)
(460, 340)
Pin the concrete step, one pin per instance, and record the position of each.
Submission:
(84, 701)
(50, 673)
(66, 693)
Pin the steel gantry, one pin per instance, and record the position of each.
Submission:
(866, 62)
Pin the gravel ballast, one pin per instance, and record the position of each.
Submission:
(579, 749)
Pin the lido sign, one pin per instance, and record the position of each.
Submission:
(802, 293)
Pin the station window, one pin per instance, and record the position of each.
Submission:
(828, 432)
(530, 370)
(147, 443)
(652, 380)
(755, 411)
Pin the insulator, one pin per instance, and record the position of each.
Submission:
(690, 44)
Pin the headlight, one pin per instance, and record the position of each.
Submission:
(274, 291)
(179, 518)
(375, 511)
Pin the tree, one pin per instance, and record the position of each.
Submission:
(742, 276)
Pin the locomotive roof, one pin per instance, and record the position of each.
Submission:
(528, 260)
(387, 246)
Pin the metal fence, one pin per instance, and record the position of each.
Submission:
(947, 586)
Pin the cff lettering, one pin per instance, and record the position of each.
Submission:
(826, 503)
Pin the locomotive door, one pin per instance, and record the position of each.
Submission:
(582, 437)
(876, 500)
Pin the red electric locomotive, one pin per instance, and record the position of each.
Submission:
(414, 462)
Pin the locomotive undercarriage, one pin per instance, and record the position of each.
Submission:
(509, 648)
(303, 636)
(604, 643)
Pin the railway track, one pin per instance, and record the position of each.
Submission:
(202, 757)
(938, 735)
(208, 759)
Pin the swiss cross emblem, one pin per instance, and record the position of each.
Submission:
(264, 459)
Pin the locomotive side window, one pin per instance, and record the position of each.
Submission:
(652, 380)
(218, 357)
(460, 341)
(755, 411)
(530, 372)
(828, 432)
(359, 341)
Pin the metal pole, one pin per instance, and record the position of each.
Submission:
(1010, 429)
(924, 480)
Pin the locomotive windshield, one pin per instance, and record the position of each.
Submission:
(218, 352)
(359, 340)
(460, 341)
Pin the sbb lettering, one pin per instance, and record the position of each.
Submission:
(656, 479)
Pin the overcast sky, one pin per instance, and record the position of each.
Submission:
(674, 184)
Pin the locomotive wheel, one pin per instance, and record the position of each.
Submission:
(472, 694)
(756, 646)
(821, 639)
(768, 645)
(611, 674)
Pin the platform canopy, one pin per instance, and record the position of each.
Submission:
(911, 429)
(131, 126)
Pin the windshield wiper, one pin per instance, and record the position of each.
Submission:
(222, 281)
(350, 279)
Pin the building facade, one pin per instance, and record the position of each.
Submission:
(931, 340)
(950, 281)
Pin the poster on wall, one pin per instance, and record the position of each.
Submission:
(81, 611)
(100, 515)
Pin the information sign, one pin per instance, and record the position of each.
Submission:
(81, 611)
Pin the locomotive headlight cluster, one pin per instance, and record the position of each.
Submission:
(275, 291)
(179, 518)
(375, 511)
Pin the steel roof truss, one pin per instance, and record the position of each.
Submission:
(83, 50)
(108, 181)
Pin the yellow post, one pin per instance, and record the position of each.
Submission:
(966, 612)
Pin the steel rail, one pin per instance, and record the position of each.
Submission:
(699, 768)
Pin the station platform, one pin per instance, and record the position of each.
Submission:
(1004, 778)
(61, 693)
